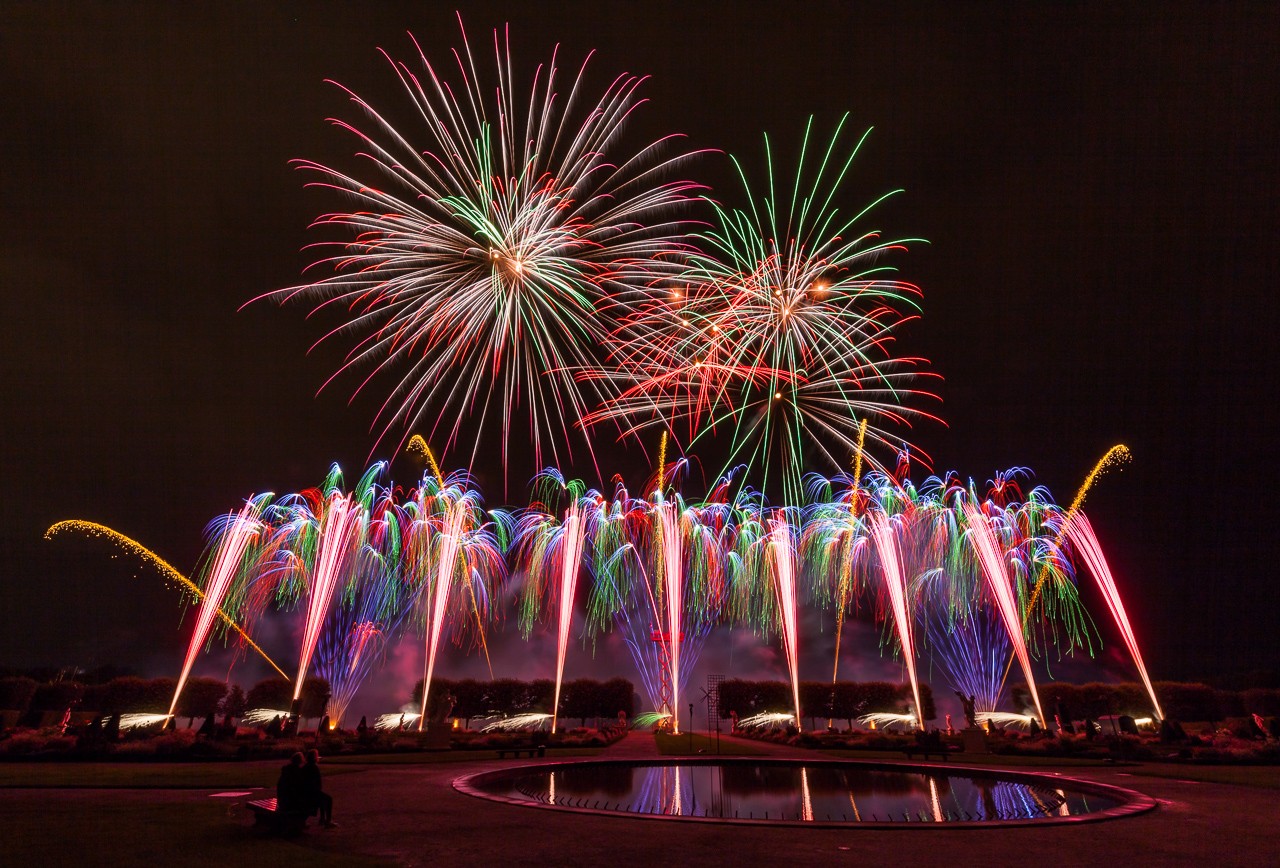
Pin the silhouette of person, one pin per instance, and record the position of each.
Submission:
(313, 792)
(289, 788)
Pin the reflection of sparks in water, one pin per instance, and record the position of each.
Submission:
(806, 800)
(933, 799)
(518, 721)
(133, 721)
(854, 805)
(551, 790)
(663, 791)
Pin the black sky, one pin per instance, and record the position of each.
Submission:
(1098, 185)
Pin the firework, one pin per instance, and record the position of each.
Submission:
(227, 562)
(984, 542)
(937, 561)
(136, 548)
(492, 243)
(1080, 532)
(780, 331)
(520, 721)
(553, 557)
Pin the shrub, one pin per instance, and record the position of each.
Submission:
(56, 695)
(16, 693)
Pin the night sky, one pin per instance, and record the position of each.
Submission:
(1098, 187)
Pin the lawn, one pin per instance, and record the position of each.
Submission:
(150, 828)
(695, 744)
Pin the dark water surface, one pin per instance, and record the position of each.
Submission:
(820, 792)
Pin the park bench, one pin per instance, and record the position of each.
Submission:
(516, 750)
(268, 815)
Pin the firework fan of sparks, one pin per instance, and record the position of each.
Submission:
(518, 721)
(491, 244)
(781, 331)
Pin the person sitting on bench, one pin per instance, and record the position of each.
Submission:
(289, 789)
(316, 798)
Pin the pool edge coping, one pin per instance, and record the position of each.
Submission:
(1134, 802)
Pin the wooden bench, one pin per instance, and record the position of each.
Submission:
(530, 749)
(268, 815)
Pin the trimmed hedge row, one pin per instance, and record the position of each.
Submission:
(130, 694)
(504, 697)
(1179, 700)
(844, 700)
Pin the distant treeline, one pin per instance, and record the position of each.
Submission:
(586, 698)
(1185, 701)
(132, 695)
(847, 700)
(582, 699)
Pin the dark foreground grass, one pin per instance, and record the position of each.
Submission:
(220, 775)
(100, 775)
(147, 828)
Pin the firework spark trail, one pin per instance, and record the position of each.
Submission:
(438, 598)
(358, 631)
(419, 446)
(1080, 532)
(338, 531)
(662, 572)
(138, 549)
(784, 575)
(984, 543)
(845, 586)
(672, 579)
(226, 565)
(970, 648)
(499, 245)
(570, 563)
(886, 546)
(551, 547)
(1116, 456)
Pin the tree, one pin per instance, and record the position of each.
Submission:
(581, 699)
(124, 695)
(274, 693)
(928, 710)
(315, 696)
(470, 696)
(235, 703)
(201, 697)
(500, 697)
(157, 694)
(56, 696)
(16, 693)
(617, 694)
